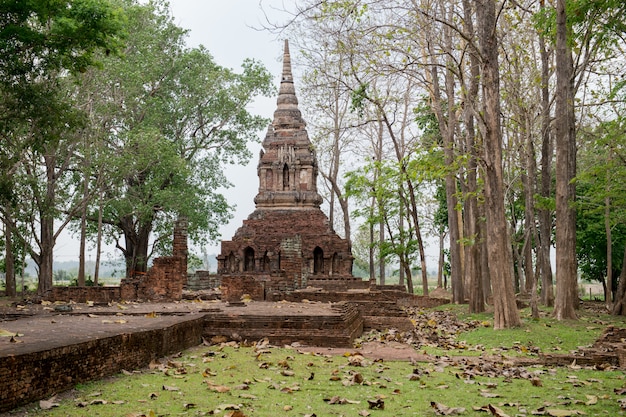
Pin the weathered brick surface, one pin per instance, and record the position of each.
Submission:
(336, 330)
(84, 294)
(202, 280)
(39, 374)
(164, 281)
(367, 297)
(282, 244)
(236, 286)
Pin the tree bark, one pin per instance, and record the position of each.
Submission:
(609, 245)
(545, 214)
(447, 125)
(46, 230)
(136, 246)
(441, 260)
(381, 260)
(529, 209)
(566, 300)
(471, 218)
(9, 263)
(619, 308)
(96, 271)
(498, 245)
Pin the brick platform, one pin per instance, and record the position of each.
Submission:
(56, 351)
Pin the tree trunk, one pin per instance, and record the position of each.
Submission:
(96, 272)
(137, 244)
(545, 214)
(529, 209)
(46, 228)
(498, 245)
(619, 308)
(471, 218)
(447, 125)
(371, 250)
(9, 263)
(609, 245)
(381, 260)
(484, 256)
(83, 239)
(566, 300)
(401, 271)
(441, 260)
(45, 259)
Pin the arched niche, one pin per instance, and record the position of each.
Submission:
(285, 177)
(248, 256)
(231, 262)
(318, 260)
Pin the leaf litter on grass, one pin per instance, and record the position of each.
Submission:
(258, 379)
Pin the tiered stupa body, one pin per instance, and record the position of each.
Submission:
(287, 240)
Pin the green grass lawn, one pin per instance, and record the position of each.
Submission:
(233, 381)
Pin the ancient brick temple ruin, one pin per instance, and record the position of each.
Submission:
(287, 242)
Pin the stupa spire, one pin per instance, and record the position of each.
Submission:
(288, 166)
(287, 114)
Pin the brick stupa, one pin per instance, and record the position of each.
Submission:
(287, 242)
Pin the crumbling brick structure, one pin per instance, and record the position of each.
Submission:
(287, 240)
(164, 281)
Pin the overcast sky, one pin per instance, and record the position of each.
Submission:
(229, 29)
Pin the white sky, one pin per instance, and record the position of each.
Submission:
(227, 29)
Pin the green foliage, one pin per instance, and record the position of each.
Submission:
(602, 167)
(40, 37)
(172, 117)
(358, 97)
(592, 22)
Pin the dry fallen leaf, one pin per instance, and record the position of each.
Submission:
(553, 412)
(339, 400)
(377, 404)
(497, 411)
(169, 388)
(443, 410)
(487, 394)
(217, 388)
(48, 404)
(98, 401)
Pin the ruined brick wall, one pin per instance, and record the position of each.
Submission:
(235, 286)
(164, 281)
(202, 280)
(40, 374)
(339, 283)
(84, 294)
(338, 330)
(367, 297)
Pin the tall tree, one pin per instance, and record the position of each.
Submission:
(498, 244)
(566, 300)
(40, 41)
(173, 118)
